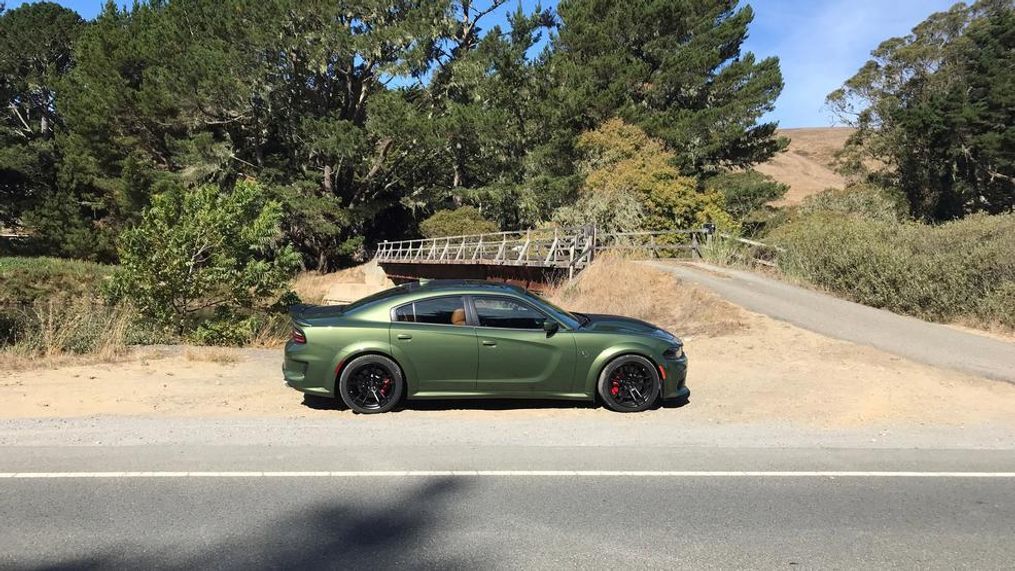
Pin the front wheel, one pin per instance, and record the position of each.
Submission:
(629, 383)
(371, 384)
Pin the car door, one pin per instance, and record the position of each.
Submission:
(436, 345)
(517, 357)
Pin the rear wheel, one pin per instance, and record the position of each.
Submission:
(629, 383)
(371, 384)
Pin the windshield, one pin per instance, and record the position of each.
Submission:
(570, 319)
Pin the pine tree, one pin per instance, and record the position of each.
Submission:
(674, 68)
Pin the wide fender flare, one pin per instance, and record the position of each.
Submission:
(353, 350)
(611, 353)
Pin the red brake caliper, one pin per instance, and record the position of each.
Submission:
(615, 385)
(385, 386)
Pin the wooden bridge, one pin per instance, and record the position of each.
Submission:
(531, 258)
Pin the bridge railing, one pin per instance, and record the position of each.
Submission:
(559, 248)
(569, 248)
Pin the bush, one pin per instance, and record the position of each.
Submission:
(959, 271)
(745, 191)
(621, 161)
(26, 280)
(460, 221)
(863, 200)
(621, 212)
(201, 251)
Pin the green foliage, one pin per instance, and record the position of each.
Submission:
(201, 250)
(457, 222)
(626, 167)
(617, 212)
(866, 201)
(959, 271)
(27, 280)
(674, 68)
(35, 51)
(934, 110)
(745, 191)
(362, 118)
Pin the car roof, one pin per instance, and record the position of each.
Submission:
(459, 285)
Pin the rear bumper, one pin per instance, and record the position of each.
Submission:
(300, 374)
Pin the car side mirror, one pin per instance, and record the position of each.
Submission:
(550, 326)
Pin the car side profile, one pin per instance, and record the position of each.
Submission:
(477, 340)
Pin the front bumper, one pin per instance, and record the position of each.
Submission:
(675, 383)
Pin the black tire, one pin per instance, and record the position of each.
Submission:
(371, 384)
(629, 383)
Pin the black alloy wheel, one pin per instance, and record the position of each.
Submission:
(629, 384)
(371, 384)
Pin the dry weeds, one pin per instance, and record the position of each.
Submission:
(61, 332)
(219, 355)
(614, 285)
(313, 286)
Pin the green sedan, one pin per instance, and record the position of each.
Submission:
(460, 339)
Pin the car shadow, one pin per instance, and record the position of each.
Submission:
(327, 403)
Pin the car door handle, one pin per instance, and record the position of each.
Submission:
(404, 336)
(489, 343)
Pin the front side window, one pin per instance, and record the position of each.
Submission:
(438, 310)
(507, 313)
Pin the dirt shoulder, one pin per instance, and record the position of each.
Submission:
(767, 372)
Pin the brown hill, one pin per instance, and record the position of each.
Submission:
(806, 165)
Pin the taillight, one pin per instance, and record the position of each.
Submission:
(299, 336)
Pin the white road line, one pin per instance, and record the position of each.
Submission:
(507, 473)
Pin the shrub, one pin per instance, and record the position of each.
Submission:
(745, 191)
(457, 222)
(864, 200)
(204, 250)
(959, 271)
(622, 160)
(621, 212)
(25, 280)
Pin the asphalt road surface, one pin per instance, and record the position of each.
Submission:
(263, 495)
(908, 337)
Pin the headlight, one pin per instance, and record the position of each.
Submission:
(674, 352)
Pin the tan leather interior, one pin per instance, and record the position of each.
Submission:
(458, 317)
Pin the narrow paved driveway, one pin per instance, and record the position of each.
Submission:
(908, 337)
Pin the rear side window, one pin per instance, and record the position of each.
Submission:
(438, 310)
(507, 313)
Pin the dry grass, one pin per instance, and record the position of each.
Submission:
(217, 355)
(65, 331)
(313, 286)
(615, 285)
(272, 333)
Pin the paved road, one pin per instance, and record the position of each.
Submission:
(908, 337)
(508, 522)
(756, 499)
(522, 520)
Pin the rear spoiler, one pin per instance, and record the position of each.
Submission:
(301, 312)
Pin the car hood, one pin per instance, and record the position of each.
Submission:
(600, 323)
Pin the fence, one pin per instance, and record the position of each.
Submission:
(566, 248)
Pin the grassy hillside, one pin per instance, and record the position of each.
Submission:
(806, 166)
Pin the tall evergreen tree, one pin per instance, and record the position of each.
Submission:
(934, 112)
(674, 68)
(35, 51)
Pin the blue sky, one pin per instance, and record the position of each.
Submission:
(820, 43)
